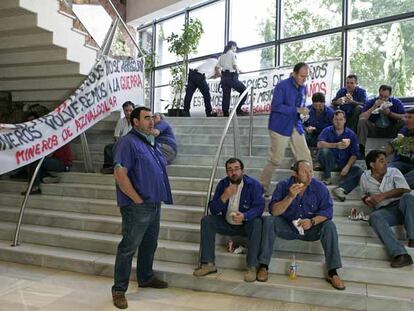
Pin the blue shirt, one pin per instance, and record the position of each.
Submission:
(146, 169)
(405, 154)
(397, 107)
(166, 134)
(287, 97)
(342, 156)
(359, 95)
(316, 200)
(252, 202)
(324, 119)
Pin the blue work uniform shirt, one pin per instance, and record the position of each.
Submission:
(166, 134)
(321, 121)
(146, 169)
(316, 200)
(342, 156)
(252, 201)
(359, 95)
(287, 97)
(397, 107)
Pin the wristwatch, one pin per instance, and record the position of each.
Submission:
(312, 221)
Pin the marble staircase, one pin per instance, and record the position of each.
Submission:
(75, 225)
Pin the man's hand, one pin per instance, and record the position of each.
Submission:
(230, 190)
(155, 132)
(342, 145)
(345, 171)
(303, 110)
(238, 217)
(368, 201)
(140, 201)
(386, 111)
(295, 189)
(348, 98)
(377, 104)
(310, 129)
(306, 224)
(376, 198)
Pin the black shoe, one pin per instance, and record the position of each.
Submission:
(225, 114)
(401, 261)
(361, 155)
(410, 243)
(107, 170)
(185, 113)
(36, 191)
(155, 283)
(211, 114)
(242, 113)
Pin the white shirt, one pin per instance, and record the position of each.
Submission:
(234, 203)
(393, 179)
(208, 67)
(122, 127)
(226, 61)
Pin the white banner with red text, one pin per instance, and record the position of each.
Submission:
(109, 84)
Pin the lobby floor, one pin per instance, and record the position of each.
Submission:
(28, 288)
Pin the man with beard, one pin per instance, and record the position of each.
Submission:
(236, 209)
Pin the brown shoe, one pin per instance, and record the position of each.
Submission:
(154, 283)
(119, 300)
(401, 261)
(410, 243)
(205, 269)
(336, 282)
(262, 274)
(250, 274)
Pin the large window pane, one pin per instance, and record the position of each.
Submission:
(145, 39)
(162, 77)
(162, 97)
(212, 19)
(164, 30)
(311, 50)
(363, 10)
(256, 59)
(252, 22)
(309, 16)
(384, 55)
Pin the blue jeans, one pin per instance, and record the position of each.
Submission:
(49, 164)
(407, 169)
(168, 152)
(140, 228)
(277, 226)
(328, 163)
(400, 212)
(212, 224)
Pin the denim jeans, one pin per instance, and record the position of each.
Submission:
(168, 152)
(277, 226)
(329, 164)
(212, 224)
(407, 169)
(140, 228)
(400, 212)
(312, 139)
(49, 164)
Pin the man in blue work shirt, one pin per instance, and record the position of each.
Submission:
(165, 138)
(306, 201)
(338, 151)
(379, 119)
(285, 124)
(320, 116)
(141, 185)
(236, 209)
(350, 99)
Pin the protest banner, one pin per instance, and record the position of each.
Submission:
(109, 84)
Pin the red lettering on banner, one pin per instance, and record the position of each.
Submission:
(36, 149)
(94, 113)
(130, 82)
(315, 87)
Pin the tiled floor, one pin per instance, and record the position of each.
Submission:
(30, 288)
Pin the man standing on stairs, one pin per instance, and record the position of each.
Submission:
(386, 191)
(236, 209)
(302, 209)
(285, 124)
(141, 186)
(165, 138)
(123, 126)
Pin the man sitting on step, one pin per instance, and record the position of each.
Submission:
(338, 151)
(236, 209)
(165, 138)
(386, 191)
(123, 126)
(302, 209)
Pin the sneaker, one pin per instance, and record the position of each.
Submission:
(327, 181)
(205, 269)
(107, 170)
(154, 283)
(262, 274)
(339, 193)
(401, 261)
(119, 300)
(34, 191)
(250, 275)
(51, 179)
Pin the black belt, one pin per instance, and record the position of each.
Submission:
(196, 71)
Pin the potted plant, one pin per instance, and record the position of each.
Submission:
(182, 46)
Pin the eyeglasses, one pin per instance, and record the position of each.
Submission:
(230, 170)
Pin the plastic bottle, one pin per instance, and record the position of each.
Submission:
(292, 274)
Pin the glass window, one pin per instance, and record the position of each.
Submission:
(309, 16)
(162, 77)
(212, 19)
(252, 22)
(162, 98)
(363, 10)
(384, 55)
(163, 31)
(256, 59)
(145, 39)
(311, 50)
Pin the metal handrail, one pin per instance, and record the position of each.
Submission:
(251, 124)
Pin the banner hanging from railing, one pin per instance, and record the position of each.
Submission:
(320, 80)
(109, 84)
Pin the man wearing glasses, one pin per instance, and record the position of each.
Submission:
(236, 209)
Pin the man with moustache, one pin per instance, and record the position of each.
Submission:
(236, 209)
(301, 209)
